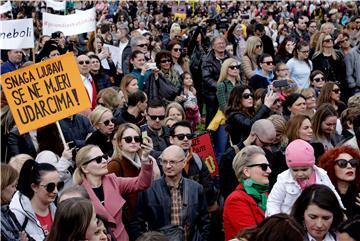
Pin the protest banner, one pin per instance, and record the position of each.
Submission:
(73, 24)
(17, 34)
(202, 146)
(6, 7)
(115, 54)
(56, 5)
(45, 92)
(179, 11)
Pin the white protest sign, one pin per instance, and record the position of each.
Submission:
(17, 34)
(115, 53)
(73, 24)
(57, 6)
(6, 7)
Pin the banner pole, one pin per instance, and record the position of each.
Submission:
(33, 54)
(61, 135)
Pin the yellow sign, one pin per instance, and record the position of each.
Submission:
(45, 92)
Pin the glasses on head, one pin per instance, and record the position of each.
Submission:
(263, 143)
(163, 61)
(98, 159)
(248, 95)
(344, 40)
(259, 46)
(170, 162)
(142, 45)
(342, 163)
(177, 49)
(336, 91)
(268, 62)
(234, 67)
(328, 40)
(84, 62)
(319, 79)
(107, 122)
(263, 166)
(182, 136)
(50, 187)
(154, 117)
(130, 139)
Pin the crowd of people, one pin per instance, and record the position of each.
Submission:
(275, 83)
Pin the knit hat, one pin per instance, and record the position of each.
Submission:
(299, 153)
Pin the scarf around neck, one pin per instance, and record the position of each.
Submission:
(257, 191)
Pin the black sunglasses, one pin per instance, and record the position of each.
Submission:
(107, 122)
(50, 187)
(234, 67)
(129, 139)
(263, 143)
(259, 46)
(143, 45)
(319, 79)
(336, 91)
(154, 117)
(247, 95)
(163, 61)
(268, 62)
(328, 40)
(82, 62)
(342, 163)
(263, 166)
(177, 50)
(182, 136)
(98, 159)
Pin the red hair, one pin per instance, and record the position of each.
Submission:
(327, 162)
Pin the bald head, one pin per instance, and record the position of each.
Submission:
(264, 129)
(174, 152)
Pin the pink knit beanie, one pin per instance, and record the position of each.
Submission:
(299, 153)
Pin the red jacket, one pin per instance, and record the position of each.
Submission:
(240, 211)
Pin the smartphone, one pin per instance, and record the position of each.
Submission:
(281, 83)
(144, 133)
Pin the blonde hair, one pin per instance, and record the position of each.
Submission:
(177, 106)
(250, 48)
(354, 101)
(243, 159)
(18, 161)
(224, 69)
(319, 46)
(110, 98)
(119, 135)
(279, 123)
(97, 113)
(327, 24)
(82, 156)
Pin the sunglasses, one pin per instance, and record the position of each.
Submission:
(98, 159)
(344, 40)
(263, 143)
(129, 139)
(342, 163)
(177, 50)
(50, 187)
(268, 62)
(336, 91)
(305, 51)
(182, 136)
(234, 67)
(319, 79)
(107, 122)
(84, 62)
(259, 46)
(154, 117)
(143, 45)
(328, 40)
(248, 95)
(163, 61)
(263, 166)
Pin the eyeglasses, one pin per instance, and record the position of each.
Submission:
(163, 61)
(107, 122)
(129, 139)
(177, 50)
(98, 159)
(310, 97)
(319, 79)
(263, 166)
(142, 45)
(234, 67)
(248, 95)
(182, 136)
(336, 91)
(344, 40)
(342, 163)
(170, 162)
(259, 46)
(154, 117)
(328, 40)
(263, 143)
(84, 62)
(50, 187)
(268, 62)
(305, 51)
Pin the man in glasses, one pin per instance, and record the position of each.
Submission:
(156, 128)
(262, 134)
(134, 113)
(83, 62)
(172, 200)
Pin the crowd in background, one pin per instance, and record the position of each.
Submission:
(275, 83)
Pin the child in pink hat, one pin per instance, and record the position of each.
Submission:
(302, 173)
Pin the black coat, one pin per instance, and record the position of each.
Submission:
(104, 142)
(153, 210)
(258, 81)
(76, 128)
(238, 124)
(20, 144)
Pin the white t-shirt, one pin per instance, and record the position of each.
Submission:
(300, 72)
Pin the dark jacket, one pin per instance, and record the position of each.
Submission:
(159, 142)
(76, 129)
(349, 200)
(268, 45)
(125, 57)
(104, 142)
(20, 144)
(239, 124)
(102, 81)
(8, 67)
(123, 116)
(10, 227)
(153, 208)
(297, 36)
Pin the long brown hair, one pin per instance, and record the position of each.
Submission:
(234, 102)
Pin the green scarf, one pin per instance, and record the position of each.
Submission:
(257, 191)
